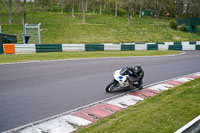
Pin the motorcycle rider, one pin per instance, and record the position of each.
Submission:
(136, 74)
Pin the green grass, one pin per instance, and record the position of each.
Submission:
(58, 28)
(164, 113)
(70, 55)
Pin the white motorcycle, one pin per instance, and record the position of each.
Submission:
(120, 80)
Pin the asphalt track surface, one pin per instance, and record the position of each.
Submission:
(33, 91)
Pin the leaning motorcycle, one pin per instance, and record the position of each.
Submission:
(120, 80)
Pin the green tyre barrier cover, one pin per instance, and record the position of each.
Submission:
(192, 43)
(197, 47)
(160, 43)
(94, 47)
(175, 47)
(130, 47)
(152, 47)
(177, 43)
(48, 48)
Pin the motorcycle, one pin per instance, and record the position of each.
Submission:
(120, 80)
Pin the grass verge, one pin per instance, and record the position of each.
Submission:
(71, 55)
(164, 113)
(57, 28)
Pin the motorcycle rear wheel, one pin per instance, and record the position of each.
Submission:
(111, 86)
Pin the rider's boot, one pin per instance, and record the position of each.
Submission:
(140, 88)
(131, 86)
(140, 85)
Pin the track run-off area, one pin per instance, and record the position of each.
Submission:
(33, 91)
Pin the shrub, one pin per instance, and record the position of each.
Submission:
(173, 25)
(183, 27)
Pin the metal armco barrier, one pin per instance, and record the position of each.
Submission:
(193, 43)
(111, 46)
(163, 47)
(48, 47)
(73, 47)
(128, 47)
(152, 47)
(94, 47)
(140, 47)
(188, 47)
(175, 47)
(197, 47)
(177, 43)
(25, 48)
(185, 43)
(160, 43)
(169, 43)
(33, 48)
(9, 48)
(191, 127)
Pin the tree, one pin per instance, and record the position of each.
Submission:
(191, 8)
(4, 3)
(160, 5)
(93, 4)
(100, 6)
(179, 8)
(73, 9)
(62, 6)
(129, 6)
(84, 8)
(17, 5)
(115, 8)
(141, 4)
(93, 7)
(35, 3)
(10, 11)
(144, 4)
(24, 12)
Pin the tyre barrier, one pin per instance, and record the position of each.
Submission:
(33, 48)
(128, 47)
(48, 47)
(73, 47)
(70, 121)
(25, 48)
(141, 46)
(94, 47)
(9, 48)
(111, 46)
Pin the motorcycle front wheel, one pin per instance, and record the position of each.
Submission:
(111, 86)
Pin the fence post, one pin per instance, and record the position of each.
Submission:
(39, 33)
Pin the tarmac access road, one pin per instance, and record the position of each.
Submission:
(33, 91)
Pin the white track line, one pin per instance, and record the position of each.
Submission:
(93, 59)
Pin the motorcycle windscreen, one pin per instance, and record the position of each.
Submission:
(125, 71)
